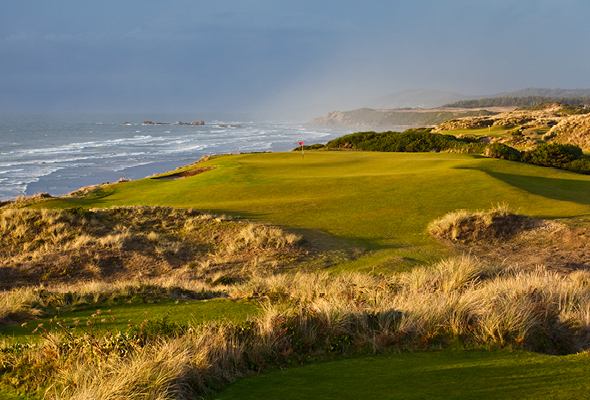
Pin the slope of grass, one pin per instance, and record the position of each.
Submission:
(178, 312)
(440, 375)
(382, 202)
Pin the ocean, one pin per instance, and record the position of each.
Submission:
(58, 154)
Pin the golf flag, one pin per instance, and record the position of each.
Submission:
(300, 143)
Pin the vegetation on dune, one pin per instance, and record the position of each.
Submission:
(371, 117)
(493, 225)
(306, 316)
(411, 140)
(528, 102)
(380, 203)
(131, 242)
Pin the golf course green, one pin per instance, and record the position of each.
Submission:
(378, 202)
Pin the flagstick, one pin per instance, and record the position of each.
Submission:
(302, 155)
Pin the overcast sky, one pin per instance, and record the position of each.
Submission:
(248, 55)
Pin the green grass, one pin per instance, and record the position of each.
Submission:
(181, 312)
(440, 375)
(382, 202)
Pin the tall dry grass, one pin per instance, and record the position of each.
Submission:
(45, 246)
(496, 223)
(460, 300)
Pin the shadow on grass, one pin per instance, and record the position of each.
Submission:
(317, 238)
(575, 191)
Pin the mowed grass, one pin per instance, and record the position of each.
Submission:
(431, 375)
(178, 312)
(381, 202)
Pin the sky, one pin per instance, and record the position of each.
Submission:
(280, 56)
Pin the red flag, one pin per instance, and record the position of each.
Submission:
(300, 143)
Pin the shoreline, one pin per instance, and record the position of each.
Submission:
(69, 179)
(69, 154)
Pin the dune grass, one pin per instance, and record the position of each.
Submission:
(432, 375)
(496, 130)
(382, 202)
(456, 304)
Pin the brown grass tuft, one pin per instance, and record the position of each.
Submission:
(44, 246)
(466, 226)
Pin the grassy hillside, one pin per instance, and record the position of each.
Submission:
(356, 211)
(381, 202)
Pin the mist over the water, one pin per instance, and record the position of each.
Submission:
(288, 59)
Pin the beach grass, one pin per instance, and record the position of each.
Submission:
(379, 202)
(496, 130)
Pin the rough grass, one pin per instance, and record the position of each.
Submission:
(133, 242)
(459, 301)
(493, 225)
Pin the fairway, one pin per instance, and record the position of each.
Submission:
(127, 315)
(440, 375)
(381, 202)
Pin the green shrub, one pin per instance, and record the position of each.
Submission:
(553, 154)
(581, 166)
(316, 146)
(411, 140)
(500, 150)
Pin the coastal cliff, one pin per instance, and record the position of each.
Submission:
(411, 117)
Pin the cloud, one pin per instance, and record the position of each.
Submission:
(260, 53)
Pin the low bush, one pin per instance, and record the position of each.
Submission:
(553, 154)
(316, 146)
(581, 166)
(411, 140)
(500, 150)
